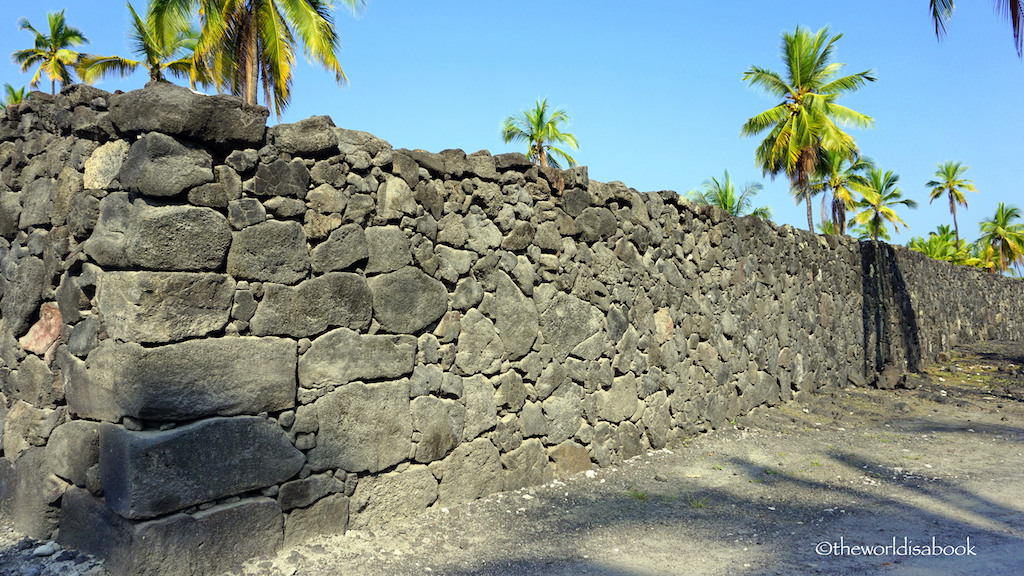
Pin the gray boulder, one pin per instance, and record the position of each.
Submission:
(272, 251)
(310, 138)
(527, 465)
(158, 165)
(152, 473)
(343, 248)
(183, 381)
(341, 356)
(178, 238)
(566, 322)
(211, 541)
(311, 307)
(158, 307)
(406, 301)
(471, 471)
(392, 497)
(220, 121)
(282, 178)
(363, 427)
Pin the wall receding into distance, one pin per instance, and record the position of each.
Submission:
(218, 338)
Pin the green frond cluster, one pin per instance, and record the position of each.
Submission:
(51, 53)
(723, 194)
(539, 128)
(805, 124)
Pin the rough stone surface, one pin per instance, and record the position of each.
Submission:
(210, 541)
(568, 321)
(104, 164)
(471, 471)
(363, 427)
(342, 355)
(312, 306)
(407, 300)
(311, 137)
(160, 307)
(325, 517)
(393, 496)
(152, 473)
(184, 381)
(158, 165)
(345, 247)
(178, 238)
(220, 121)
(271, 252)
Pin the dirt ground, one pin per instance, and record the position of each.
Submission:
(847, 482)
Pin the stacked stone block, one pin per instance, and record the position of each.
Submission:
(219, 338)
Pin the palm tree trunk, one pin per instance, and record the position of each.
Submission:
(810, 211)
(956, 229)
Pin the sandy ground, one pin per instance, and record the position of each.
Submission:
(847, 482)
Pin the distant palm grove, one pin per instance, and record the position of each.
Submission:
(244, 48)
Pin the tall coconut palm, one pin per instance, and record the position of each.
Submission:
(52, 52)
(539, 128)
(12, 96)
(168, 49)
(837, 173)
(806, 120)
(1003, 237)
(879, 195)
(722, 193)
(950, 182)
(942, 11)
(251, 43)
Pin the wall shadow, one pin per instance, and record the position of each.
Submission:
(891, 330)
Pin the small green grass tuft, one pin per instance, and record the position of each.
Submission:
(638, 494)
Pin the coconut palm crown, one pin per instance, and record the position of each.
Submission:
(12, 96)
(1003, 237)
(806, 120)
(879, 195)
(723, 193)
(168, 49)
(539, 128)
(52, 52)
(250, 44)
(950, 182)
(837, 173)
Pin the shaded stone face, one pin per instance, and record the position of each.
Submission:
(152, 473)
(184, 381)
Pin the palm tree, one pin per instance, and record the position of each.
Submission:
(251, 43)
(169, 49)
(538, 127)
(838, 173)
(804, 123)
(878, 197)
(12, 96)
(52, 52)
(950, 181)
(942, 11)
(723, 194)
(1003, 237)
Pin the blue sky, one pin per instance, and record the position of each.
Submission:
(654, 88)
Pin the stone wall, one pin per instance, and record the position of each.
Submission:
(218, 338)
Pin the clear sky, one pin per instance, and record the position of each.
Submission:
(654, 88)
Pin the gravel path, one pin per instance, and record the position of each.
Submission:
(798, 489)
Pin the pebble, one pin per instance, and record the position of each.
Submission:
(661, 477)
(48, 549)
